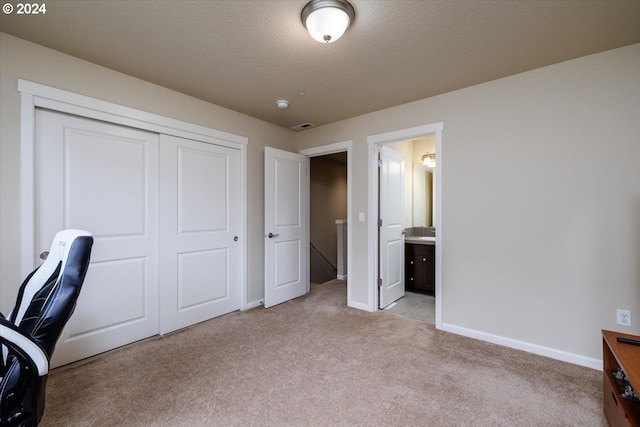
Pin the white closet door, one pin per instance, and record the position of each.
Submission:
(200, 259)
(102, 178)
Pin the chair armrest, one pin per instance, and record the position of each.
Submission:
(28, 350)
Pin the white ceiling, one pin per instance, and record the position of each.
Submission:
(245, 55)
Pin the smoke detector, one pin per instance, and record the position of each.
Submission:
(282, 104)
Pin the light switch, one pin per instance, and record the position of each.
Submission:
(361, 216)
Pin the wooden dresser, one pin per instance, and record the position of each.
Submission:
(622, 359)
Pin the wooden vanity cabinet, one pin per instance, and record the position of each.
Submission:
(420, 268)
(617, 356)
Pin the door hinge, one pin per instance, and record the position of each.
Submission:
(379, 222)
(379, 163)
(379, 282)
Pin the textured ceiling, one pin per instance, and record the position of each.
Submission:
(244, 55)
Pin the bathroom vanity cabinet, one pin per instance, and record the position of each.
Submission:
(420, 267)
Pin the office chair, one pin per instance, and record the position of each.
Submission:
(29, 334)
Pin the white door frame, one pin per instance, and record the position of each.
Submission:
(339, 147)
(393, 136)
(35, 95)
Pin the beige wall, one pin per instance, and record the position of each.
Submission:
(541, 199)
(21, 59)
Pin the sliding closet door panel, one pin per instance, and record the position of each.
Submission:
(200, 257)
(101, 177)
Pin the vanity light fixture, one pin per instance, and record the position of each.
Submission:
(327, 20)
(429, 160)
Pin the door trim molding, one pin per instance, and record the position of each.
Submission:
(373, 142)
(339, 147)
(35, 95)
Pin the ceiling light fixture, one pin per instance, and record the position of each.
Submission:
(282, 104)
(327, 20)
(429, 160)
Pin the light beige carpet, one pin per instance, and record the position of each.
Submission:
(315, 362)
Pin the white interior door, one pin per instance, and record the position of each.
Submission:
(286, 226)
(200, 259)
(102, 178)
(391, 238)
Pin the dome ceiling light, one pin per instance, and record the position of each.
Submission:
(327, 20)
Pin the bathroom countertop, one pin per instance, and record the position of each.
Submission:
(420, 240)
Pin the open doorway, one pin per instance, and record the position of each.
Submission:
(418, 225)
(327, 217)
(374, 144)
(332, 162)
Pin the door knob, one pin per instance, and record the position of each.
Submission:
(235, 238)
(44, 255)
(271, 235)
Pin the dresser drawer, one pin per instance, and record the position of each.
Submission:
(614, 405)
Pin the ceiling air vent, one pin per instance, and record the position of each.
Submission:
(301, 126)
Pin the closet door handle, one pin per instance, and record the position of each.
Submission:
(271, 235)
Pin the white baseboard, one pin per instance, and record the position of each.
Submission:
(553, 353)
(253, 304)
(360, 306)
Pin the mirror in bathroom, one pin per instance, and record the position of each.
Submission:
(423, 196)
